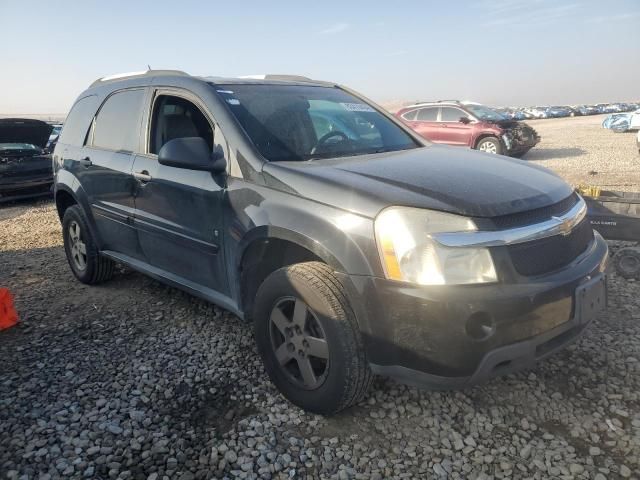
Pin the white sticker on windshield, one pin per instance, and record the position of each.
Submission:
(233, 101)
(357, 107)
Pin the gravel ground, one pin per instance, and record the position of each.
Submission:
(583, 152)
(132, 379)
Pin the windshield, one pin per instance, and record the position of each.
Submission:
(485, 113)
(19, 147)
(290, 122)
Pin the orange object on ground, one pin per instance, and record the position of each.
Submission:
(8, 314)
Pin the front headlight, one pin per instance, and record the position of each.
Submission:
(507, 141)
(409, 253)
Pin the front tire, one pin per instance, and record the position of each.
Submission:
(309, 340)
(82, 252)
(490, 145)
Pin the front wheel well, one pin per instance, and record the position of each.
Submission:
(64, 200)
(483, 136)
(263, 257)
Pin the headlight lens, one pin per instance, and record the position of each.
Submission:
(507, 141)
(409, 253)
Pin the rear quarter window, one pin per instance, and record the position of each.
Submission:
(76, 126)
(410, 115)
(117, 125)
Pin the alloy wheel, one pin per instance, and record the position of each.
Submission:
(78, 247)
(299, 343)
(488, 147)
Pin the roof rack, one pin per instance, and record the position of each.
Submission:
(145, 73)
(283, 77)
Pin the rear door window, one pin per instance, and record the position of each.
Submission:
(76, 126)
(117, 125)
(429, 114)
(451, 114)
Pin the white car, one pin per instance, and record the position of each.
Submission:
(622, 122)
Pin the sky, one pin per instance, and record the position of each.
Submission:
(499, 52)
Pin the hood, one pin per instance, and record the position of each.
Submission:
(25, 130)
(506, 123)
(450, 179)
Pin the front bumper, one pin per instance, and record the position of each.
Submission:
(516, 146)
(420, 335)
(17, 189)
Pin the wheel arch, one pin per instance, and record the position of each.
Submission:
(65, 197)
(484, 135)
(266, 249)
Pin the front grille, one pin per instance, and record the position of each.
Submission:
(536, 215)
(548, 254)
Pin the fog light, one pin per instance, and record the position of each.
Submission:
(480, 326)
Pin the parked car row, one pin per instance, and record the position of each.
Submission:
(556, 111)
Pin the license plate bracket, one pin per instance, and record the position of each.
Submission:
(591, 299)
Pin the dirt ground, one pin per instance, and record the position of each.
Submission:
(583, 152)
(133, 379)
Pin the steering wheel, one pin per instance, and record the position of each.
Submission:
(323, 139)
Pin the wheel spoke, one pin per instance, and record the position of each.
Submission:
(82, 248)
(317, 347)
(306, 370)
(279, 320)
(300, 313)
(283, 355)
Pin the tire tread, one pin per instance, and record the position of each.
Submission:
(320, 276)
(99, 268)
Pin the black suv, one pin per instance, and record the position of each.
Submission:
(354, 246)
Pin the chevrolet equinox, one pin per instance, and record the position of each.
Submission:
(353, 245)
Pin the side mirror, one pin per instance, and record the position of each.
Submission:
(465, 120)
(191, 153)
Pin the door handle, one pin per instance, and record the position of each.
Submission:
(86, 162)
(142, 176)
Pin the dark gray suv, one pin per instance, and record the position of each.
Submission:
(354, 246)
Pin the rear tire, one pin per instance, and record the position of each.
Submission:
(81, 249)
(627, 262)
(301, 316)
(490, 145)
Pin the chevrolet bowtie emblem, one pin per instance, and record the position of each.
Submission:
(564, 226)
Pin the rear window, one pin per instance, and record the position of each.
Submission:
(78, 121)
(117, 125)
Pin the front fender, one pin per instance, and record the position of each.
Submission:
(341, 239)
